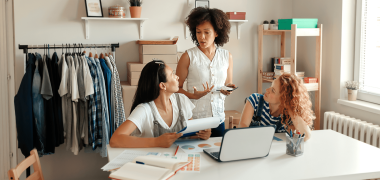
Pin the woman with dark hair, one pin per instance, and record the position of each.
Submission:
(207, 66)
(285, 104)
(157, 112)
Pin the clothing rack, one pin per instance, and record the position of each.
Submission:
(65, 46)
(95, 46)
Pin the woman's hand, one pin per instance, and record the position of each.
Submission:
(204, 134)
(167, 139)
(227, 93)
(199, 94)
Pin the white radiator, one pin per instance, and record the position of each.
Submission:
(355, 128)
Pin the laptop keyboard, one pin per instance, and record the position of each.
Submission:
(215, 154)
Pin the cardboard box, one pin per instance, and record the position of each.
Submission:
(133, 82)
(167, 58)
(134, 75)
(158, 49)
(311, 86)
(236, 15)
(236, 117)
(128, 95)
(138, 67)
(133, 67)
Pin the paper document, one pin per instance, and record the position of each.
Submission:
(194, 158)
(125, 157)
(196, 125)
(192, 146)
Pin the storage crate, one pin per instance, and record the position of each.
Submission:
(286, 24)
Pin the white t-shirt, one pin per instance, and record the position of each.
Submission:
(142, 115)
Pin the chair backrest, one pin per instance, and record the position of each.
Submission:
(33, 159)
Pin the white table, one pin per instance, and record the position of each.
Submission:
(327, 155)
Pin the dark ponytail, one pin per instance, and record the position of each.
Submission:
(148, 88)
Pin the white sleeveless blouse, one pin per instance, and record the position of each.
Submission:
(202, 70)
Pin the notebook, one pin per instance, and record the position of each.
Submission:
(149, 168)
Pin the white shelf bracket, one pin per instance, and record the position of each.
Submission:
(86, 24)
(141, 28)
(239, 29)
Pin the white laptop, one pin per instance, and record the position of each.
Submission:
(244, 143)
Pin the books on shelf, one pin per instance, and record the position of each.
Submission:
(310, 80)
(311, 86)
(149, 168)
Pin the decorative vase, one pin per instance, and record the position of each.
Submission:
(135, 11)
(352, 94)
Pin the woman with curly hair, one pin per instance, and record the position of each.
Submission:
(286, 104)
(207, 66)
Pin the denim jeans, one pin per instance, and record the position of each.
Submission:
(38, 109)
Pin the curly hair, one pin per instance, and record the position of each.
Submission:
(294, 98)
(216, 17)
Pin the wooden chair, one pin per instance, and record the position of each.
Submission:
(232, 119)
(33, 159)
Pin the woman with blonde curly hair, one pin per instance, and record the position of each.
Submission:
(286, 104)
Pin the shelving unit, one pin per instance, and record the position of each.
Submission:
(317, 32)
(87, 23)
(238, 25)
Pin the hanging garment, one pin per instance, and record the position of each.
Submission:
(69, 105)
(105, 116)
(89, 90)
(74, 99)
(55, 81)
(81, 103)
(95, 108)
(119, 117)
(107, 79)
(23, 110)
(38, 109)
(47, 94)
(63, 89)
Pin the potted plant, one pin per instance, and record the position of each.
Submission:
(266, 25)
(135, 8)
(352, 89)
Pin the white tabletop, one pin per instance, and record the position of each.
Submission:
(327, 155)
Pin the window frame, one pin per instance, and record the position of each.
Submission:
(364, 96)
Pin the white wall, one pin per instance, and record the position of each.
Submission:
(337, 51)
(58, 21)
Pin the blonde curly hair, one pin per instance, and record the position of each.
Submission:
(294, 98)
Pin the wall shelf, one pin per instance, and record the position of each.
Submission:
(295, 32)
(87, 23)
(238, 24)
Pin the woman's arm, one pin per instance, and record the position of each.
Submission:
(122, 138)
(301, 126)
(182, 71)
(246, 115)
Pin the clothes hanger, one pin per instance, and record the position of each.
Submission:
(90, 54)
(96, 53)
(84, 52)
(101, 54)
(105, 49)
(62, 48)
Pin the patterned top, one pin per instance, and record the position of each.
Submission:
(94, 109)
(105, 116)
(117, 105)
(266, 117)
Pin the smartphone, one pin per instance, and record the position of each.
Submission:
(229, 90)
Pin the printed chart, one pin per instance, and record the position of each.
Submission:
(195, 165)
(192, 146)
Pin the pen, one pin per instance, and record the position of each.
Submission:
(176, 150)
(291, 135)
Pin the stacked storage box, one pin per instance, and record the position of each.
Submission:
(166, 53)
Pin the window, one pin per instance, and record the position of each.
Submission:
(367, 50)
